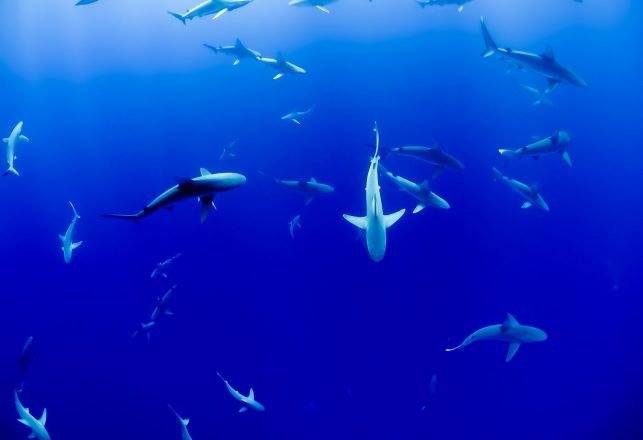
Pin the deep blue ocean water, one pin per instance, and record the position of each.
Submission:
(118, 99)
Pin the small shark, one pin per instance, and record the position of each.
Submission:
(227, 150)
(459, 3)
(282, 66)
(185, 434)
(204, 187)
(544, 64)
(159, 270)
(311, 187)
(295, 116)
(433, 155)
(375, 223)
(37, 426)
(319, 4)
(541, 98)
(422, 192)
(68, 245)
(509, 331)
(239, 51)
(294, 224)
(210, 7)
(162, 305)
(556, 143)
(248, 402)
(529, 193)
(24, 361)
(144, 329)
(16, 137)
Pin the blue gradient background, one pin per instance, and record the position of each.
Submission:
(118, 98)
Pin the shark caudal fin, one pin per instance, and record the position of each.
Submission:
(11, 170)
(490, 45)
(177, 16)
(391, 219)
(73, 208)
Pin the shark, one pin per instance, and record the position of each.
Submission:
(311, 188)
(433, 155)
(531, 194)
(545, 64)
(159, 270)
(282, 66)
(540, 97)
(556, 143)
(145, 328)
(510, 331)
(421, 192)
(228, 151)
(248, 401)
(16, 137)
(203, 187)
(294, 224)
(85, 2)
(210, 7)
(238, 51)
(319, 4)
(375, 223)
(68, 246)
(161, 308)
(459, 3)
(295, 116)
(24, 361)
(37, 426)
(185, 434)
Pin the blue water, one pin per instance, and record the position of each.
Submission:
(118, 99)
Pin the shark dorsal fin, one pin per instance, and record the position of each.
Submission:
(312, 180)
(555, 138)
(205, 172)
(280, 57)
(186, 422)
(251, 396)
(239, 44)
(425, 185)
(548, 54)
(511, 321)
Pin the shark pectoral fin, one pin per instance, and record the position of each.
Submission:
(23, 138)
(321, 8)
(207, 202)
(279, 75)
(5, 140)
(243, 409)
(76, 245)
(359, 222)
(513, 348)
(236, 62)
(460, 8)
(24, 422)
(391, 219)
(526, 205)
(62, 237)
(43, 418)
(552, 83)
(566, 158)
(296, 121)
(220, 13)
(419, 207)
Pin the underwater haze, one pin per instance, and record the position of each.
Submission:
(121, 101)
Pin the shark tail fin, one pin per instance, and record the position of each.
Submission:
(73, 208)
(177, 16)
(11, 170)
(490, 45)
(459, 347)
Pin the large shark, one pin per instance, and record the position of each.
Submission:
(249, 401)
(319, 4)
(459, 3)
(556, 143)
(185, 434)
(311, 187)
(239, 51)
(210, 7)
(433, 155)
(544, 64)
(284, 67)
(421, 192)
(37, 426)
(68, 246)
(531, 194)
(295, 116)
(509, 331)
(162, 305)
(375, 223)
(159, 270)
(12, 141)
(204, 187)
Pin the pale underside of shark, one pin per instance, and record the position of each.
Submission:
(248, 401)
(210, 7)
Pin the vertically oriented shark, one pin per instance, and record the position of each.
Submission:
(16, 137)
(248, 401)
(531, 194)
(375, 223)
(210, 7)
(185, 434)
(545, 64)
(509, 331)
(68, 246)
(37, 426)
